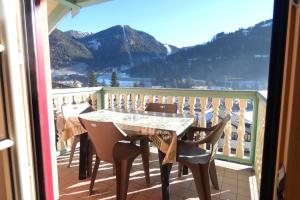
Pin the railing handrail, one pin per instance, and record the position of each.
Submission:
(182, 92)
(75, 90)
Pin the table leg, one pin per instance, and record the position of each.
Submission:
(145, 157)
(164, 175)
(83, 156)
(185, 169)
(89, 165)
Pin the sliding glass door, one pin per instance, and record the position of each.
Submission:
(6, 191)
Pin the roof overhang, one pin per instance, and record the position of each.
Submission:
(57, 9)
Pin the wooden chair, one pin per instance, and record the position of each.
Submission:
(200, 161)
(112, 146)
(71, 110)
(160, 107)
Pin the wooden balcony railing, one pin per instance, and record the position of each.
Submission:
(70, 96)
(243, 137)
(261, 116)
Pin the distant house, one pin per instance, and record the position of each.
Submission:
(57, 85)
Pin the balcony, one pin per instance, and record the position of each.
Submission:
(239, 152)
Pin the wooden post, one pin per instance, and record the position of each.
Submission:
(241, 129)
(203, 101)
(216, 103)
(180, 104)
(142, 102)
(227, 138)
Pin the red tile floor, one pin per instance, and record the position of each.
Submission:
(236, 182)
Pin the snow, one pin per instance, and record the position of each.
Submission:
(169, 50)
(128, 47)
(76, 68)
(264, 93)
(261, 56)
(78, 34)
(192, 59)
(94, 44)
(266, 25)
(64, 72)
(245, 32)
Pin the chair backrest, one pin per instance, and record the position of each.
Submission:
(104, 136)
(161, 107)
(73, 110)
(214, 136)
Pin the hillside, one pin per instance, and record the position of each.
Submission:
(66, 51)
(242, 55)
(113, 47)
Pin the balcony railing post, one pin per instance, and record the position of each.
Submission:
(100, 99)
(118, 105)
(160, 99)
(133, 101)
(151, 99)
(142, 102)
(180, 105)
(259, 133)
(192, 105)
(227, 137)
(216, 103)
(254, 129)
(125, 98)
(170, 100)
(203, 101)
(241, 129)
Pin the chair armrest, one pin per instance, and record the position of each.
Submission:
(195, 142)
(134, 138)
(196, 128)
(190, 132)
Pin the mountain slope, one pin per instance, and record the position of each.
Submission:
(114, 47)
(122, 45)
(77, 34)
(65, 51)
(241, 55)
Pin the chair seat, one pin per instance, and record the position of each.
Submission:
(126, 150)
(192, 154)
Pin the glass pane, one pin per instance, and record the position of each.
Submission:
(5, 180)
(2, 113)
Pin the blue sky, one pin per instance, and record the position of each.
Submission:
(176, 22)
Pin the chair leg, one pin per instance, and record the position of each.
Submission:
(213, 174)
(145, 157)
(201, 178)
(94, 174)
(75, 141)
(114, 170)
(180, 167)
(90, 159)
(122, 177)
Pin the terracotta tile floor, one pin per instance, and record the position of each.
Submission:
(236, 182)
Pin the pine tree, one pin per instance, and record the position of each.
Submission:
(114, 80)
(92, 79)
